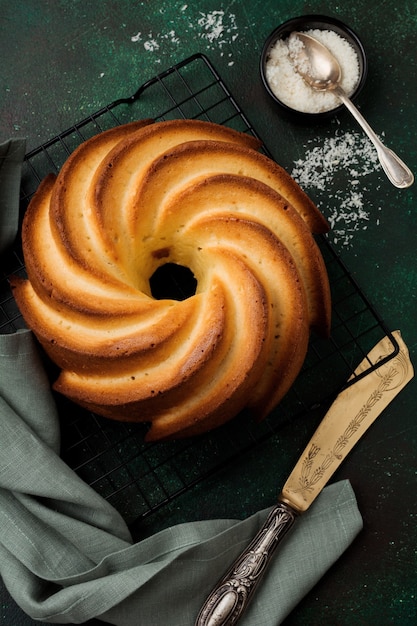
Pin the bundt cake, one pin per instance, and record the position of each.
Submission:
(200, 196)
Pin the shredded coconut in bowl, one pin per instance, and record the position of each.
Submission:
(290, 88)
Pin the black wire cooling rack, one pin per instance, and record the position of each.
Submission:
(138, 478)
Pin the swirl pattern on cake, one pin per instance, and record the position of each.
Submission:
(198, 195)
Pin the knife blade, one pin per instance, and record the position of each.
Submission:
(348, 418)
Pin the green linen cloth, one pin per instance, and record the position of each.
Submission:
(11, 157)
(67, 556)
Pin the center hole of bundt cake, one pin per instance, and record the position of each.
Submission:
(173, 282)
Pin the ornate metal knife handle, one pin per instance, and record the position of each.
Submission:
(230, 598)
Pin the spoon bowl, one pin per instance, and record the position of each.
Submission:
(321, 71)
(314, 62)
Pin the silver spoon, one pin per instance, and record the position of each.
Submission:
(319, 69)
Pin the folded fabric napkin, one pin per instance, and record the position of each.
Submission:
(67, 556)
(11, 157)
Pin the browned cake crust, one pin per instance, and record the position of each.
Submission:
(199, 195)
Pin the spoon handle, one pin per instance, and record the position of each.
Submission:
(396, 170)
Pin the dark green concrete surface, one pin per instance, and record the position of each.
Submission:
(62, 59)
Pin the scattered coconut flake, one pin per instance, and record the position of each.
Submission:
(151, 45)
(348, 206)
(216, 28)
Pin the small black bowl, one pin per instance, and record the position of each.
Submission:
(304, 23)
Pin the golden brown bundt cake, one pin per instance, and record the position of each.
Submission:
(184, 192)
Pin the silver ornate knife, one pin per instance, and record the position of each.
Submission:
(350, 415)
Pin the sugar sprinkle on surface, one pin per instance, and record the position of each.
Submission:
(339, 166)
